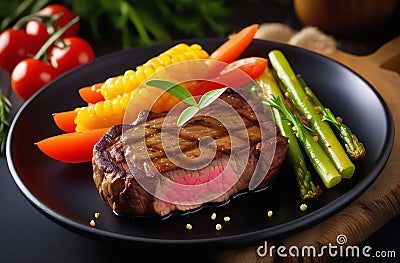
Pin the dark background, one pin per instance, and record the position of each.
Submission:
(243, 13)
(28, 236)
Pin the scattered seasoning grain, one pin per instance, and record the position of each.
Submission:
(303, 207)
(97, 215)
(315, 138)
(317, 109)
(270, 213)
(294, 129)
(189, 227)
(286, 94)
(339, 119)
(213, 216)
(227, 219)
(218, 227)
(307, 98)
(92, 223)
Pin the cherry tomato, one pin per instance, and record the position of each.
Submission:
(30, 75)
(76, 52)
(16, 45)
(36, 28)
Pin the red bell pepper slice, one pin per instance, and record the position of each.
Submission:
(92, 93)
(65, 120)
(74, 147)
(234, 74)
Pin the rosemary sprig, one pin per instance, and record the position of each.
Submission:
(354, 147)
(5, 108)
(320, 161)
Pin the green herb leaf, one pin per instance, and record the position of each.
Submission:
(278, 103)
(210, 97)
(186, 115)
(5, 108)
(175, 89)
(183, 94)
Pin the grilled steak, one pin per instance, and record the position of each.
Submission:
(120, 162)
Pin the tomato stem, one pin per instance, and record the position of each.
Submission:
(22, 8)
(42, 51)
(47, 20)
(61, 44)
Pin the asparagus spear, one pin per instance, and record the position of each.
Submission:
(326, 137)
(355, 149)
(266, 88)
(320, 161)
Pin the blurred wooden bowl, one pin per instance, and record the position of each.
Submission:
(344, 17)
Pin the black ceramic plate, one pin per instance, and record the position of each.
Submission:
(66, 193)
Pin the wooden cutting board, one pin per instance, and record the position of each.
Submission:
(381, 201)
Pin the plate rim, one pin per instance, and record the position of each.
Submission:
(245, 238)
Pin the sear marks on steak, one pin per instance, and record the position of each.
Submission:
(114, 176)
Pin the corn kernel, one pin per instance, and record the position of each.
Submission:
(270, 213)
(213, 216)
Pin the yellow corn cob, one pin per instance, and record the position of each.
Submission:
(111, 112)
(124, 89)
(102, 114)
(131, 79)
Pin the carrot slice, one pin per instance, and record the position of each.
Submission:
(65, 120)
(233, 48)
(91, 94)
(75, 147)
